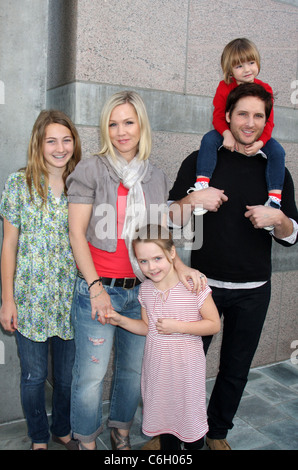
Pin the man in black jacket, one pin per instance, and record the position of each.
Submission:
(236, 250)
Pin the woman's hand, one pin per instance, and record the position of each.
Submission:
(101, 305)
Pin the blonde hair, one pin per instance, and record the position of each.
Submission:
(236, 52)
(136, 101)
(36, 172)
(157, 234)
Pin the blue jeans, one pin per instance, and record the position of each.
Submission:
(94, 343)
(34, 372)
(275, 169)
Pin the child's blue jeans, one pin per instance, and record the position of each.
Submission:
(34, 367)
(275, 169)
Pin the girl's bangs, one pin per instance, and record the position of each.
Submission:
(243, 56)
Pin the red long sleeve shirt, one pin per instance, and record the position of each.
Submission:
(219, 113)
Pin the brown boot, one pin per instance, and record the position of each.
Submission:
(217, 444)
(153, 444)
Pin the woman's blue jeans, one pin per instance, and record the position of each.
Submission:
(34, 372)
(94, 343)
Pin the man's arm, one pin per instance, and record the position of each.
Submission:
(284, 221)
(181, 204)
(261, 216)
(209, 198)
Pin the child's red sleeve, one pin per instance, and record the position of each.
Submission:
(219, 102)
(267, 132)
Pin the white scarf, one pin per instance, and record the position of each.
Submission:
(131, 175)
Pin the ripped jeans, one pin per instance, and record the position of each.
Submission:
(94, 343)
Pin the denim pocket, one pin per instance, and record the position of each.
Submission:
(82, 287)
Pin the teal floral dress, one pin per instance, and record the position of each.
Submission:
(45, 267)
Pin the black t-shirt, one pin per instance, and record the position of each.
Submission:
(232, 249)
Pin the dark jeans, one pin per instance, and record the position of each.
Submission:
(34, 367)
(244, 312)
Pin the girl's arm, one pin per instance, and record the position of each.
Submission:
(219, 102)
(138, 327)
(78, 217)
(8, 311)
(209, 325)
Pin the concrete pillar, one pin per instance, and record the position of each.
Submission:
(23, 59)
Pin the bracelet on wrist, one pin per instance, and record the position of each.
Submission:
(94, 282)
(97, 295)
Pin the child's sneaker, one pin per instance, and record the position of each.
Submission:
(197, 187)
(271, 203)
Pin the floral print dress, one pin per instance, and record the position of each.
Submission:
(45, 267)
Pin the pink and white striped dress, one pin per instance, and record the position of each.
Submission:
(174, 367)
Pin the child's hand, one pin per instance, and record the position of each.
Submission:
(252, 149)
(229, 141)
(167, 326)
(113, 318)
(9, 316)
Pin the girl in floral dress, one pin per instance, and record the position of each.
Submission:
(173, 320)
(38, 273)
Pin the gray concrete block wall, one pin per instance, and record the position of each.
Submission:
(23, 59)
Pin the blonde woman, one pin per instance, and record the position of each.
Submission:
(110, 195)
(38, 273)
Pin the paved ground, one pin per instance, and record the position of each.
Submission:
(267, 418)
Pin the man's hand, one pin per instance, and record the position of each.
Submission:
(210, 198)
(262, 216)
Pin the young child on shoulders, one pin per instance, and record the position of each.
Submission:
(173, 320)
(240, 62)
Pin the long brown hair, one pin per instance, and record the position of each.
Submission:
(36, 171)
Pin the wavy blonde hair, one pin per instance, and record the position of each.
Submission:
(36, 171)
(236, 52)
(136, 101)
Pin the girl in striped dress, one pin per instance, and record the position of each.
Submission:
(173, 320)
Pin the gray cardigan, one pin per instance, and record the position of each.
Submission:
(95, 182)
